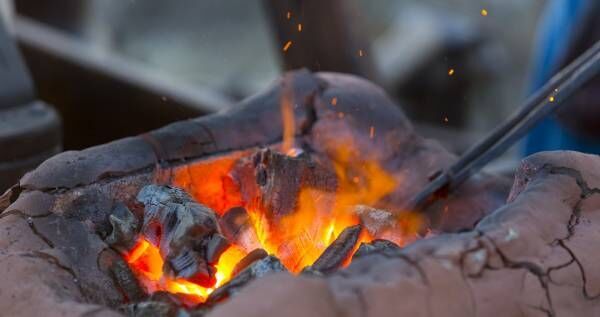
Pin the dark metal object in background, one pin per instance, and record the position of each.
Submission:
(328, 40)
(29, 129)
(101, 96)
(543, 103)
(16, 87)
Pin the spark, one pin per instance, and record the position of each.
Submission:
(446, 119)
(287, 46)
(484, 12)
(451, 72)
(299, 27)
(288, 15)
(551, 99)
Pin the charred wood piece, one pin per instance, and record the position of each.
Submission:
(255, 255)
(125, 279)
(186, 233)
(379, 246)
(260, 268)
(237, 228)
(274, 180)
(340, 249)
(160, 304)
(125, 228)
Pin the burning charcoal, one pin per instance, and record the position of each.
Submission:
(274, 180)
(154, 308)
(184, 231)
(125, 228)
(374, 220)
(122, 275)
(215, 246)
(260, 268)
(376, 246)
(237, 228)
(334, 256)
(189, 265)
(256, 255)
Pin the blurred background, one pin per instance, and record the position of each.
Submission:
(114, 68)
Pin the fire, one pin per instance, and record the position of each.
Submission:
(298, 238)
(145, 260)
(287, 117)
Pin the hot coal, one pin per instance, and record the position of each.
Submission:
(260, 268)
(160, 304)
(255, 255)
(273, 180)
(215, 246)
(125, 228)
(236, 227)
(338, 251)
(124, 277)
(185, 231)
(376, 246)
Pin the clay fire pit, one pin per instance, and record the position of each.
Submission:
(290, 204)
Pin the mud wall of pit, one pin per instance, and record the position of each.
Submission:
(54, 221)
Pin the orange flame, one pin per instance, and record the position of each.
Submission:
(146, 261)
(287, 117)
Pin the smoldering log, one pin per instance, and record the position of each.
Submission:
(340, 249)
(272, 181)
(186, 232)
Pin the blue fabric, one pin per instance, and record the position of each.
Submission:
(556, 33)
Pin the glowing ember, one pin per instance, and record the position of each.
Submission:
(147, 263)
(287, 46)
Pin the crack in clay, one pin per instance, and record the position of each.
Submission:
(530, 267)
(586, 192)
(20, 213)
(56, 262)
(31, 224)
(581, 270)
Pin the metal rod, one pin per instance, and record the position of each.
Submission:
(538, 106)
